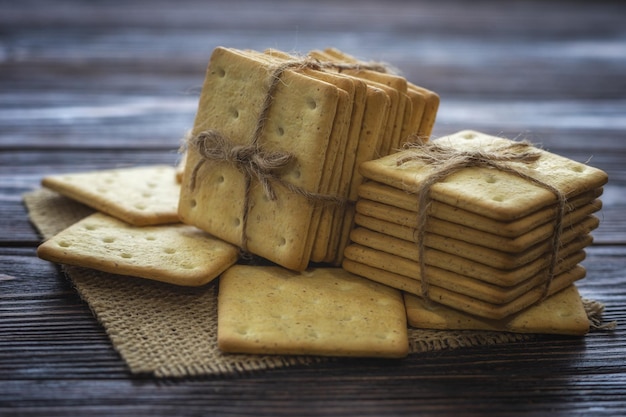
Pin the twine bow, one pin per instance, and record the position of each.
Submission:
(252, 160)
(447, 160)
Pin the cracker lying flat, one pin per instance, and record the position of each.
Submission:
(380, 193)
(484, 255)
(499, 195)
(470, 234)
(140, 196)
(561, 313)
(463, 266)
(270, 310)
(479, 289)
(176, 254)
(460, 301)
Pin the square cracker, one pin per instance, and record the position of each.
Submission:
(425, 103)
(146, 195)
(466, 267)
(499, 195)
(479, 289)
(473, 235)
(300, 122)
(484, 255)
(561, 313)
(371, 136)
(177, 254)
(344, 138)
(374, 191)
(326, 311)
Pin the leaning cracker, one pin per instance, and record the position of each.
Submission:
(375, 116)
(429, 115)
(426, 105)
(326, 311)
(343, 137)
(561, 313)
(299, 122)
(176, 254)
(141, 196)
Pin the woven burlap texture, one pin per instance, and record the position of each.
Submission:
(170, 331)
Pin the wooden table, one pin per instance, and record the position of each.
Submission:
(92, 85)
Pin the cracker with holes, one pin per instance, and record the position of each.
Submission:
(498, 195)
(145, 195)
(342, 145)
(327, 238)
(517, 226)
(175, 253)
(279, 124)
(324, 311)
(422, 102)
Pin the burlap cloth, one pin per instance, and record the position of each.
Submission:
(170, 331)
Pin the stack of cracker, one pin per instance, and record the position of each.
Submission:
(481, 224)
(273, 155)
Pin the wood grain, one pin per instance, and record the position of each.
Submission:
(94, 85)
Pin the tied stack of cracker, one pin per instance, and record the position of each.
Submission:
(273, 156)
(475, 229)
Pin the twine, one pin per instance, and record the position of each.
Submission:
(448, 160)
(251, 159)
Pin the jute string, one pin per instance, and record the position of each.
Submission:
(251, 159)
(446, 160)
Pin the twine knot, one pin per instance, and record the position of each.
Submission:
(251, 160)
(447, 160)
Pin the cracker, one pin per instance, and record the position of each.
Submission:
(487, 256)
(394, 96)
(177, 254)
(341, 144)
(462, 302)
(491, 193)
(146, 195)
(452, 281)
(412, 116)
(429, 115)
(562, 313)
(372, 190)
(326, 311)
(300, 122)
(375, 115)
(465, 267)
(470, 234)
(425, 102)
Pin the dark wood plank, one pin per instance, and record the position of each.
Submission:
(50, 336)
(94, 85)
